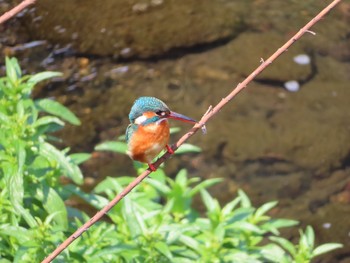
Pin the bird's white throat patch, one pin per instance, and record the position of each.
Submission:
(143, 118)
(140, 119)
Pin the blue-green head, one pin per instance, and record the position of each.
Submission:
(147, 104)
(161, 112)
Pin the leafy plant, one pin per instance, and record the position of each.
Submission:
(166, 228)
(305, 250)
(31, 200)
(157, 222)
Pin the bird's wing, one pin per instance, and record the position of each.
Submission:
(129, 131)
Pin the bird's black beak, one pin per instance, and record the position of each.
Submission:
(180, 117)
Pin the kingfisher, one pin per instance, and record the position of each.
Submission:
(148, 132)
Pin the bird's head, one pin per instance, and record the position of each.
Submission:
(148, 110)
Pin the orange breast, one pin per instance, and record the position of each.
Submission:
(148, 141)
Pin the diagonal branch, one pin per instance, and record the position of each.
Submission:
(195, 128)
(14, 11)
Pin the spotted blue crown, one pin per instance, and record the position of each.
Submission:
(144, 104)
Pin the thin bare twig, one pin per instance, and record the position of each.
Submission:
(311, 32)
(208, 115)
(14, 11)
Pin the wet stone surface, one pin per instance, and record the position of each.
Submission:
(136, 28)
(277, 145)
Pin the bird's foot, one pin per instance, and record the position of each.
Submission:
(152, 167)
(169, 149)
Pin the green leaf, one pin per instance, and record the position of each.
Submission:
(205, 184)
(116, 249)
(13, 71)
(16, 196)
(16, 187)
(114, 146)
(264, 208)
(172, 232)
(159, 175)
(3, 117)
(95, 200)
(174, 130)
(132, 218)
(285, 244)
(240, 214)
(79, 158)
(281, 222)
(273, 253)
(42, 76)
(210, 203)
(245, 226)
(310, 236)
(161, 187)
(228, 208)
(57, 109)
(31, 110)
(53, 203)
(180, 259)
(21, 155)
(181, 178)
(72, 171)
(20, 109)
(242, 257)
(188, 148)
(20, 233)
(4, 260)
(325, 248)
(219, 233)
(245, 202)
(164, 249)
(107, 185)
(190, 242)
(274, 224)
(47, 120)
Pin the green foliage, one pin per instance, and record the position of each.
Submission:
(305, 250)
(156, 222)
(32, 210)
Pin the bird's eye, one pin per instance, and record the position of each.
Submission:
(161, 113)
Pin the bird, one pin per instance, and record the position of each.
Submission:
(148, 132)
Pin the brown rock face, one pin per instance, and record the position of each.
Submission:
(135, 29)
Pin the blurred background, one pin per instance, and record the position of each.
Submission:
(286, 137)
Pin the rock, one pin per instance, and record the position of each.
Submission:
(250, 49)
(244, 53)
(308, 128)
(331, 33)
(296, 128)
(135, 29)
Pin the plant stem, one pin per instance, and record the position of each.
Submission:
(14, 11)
